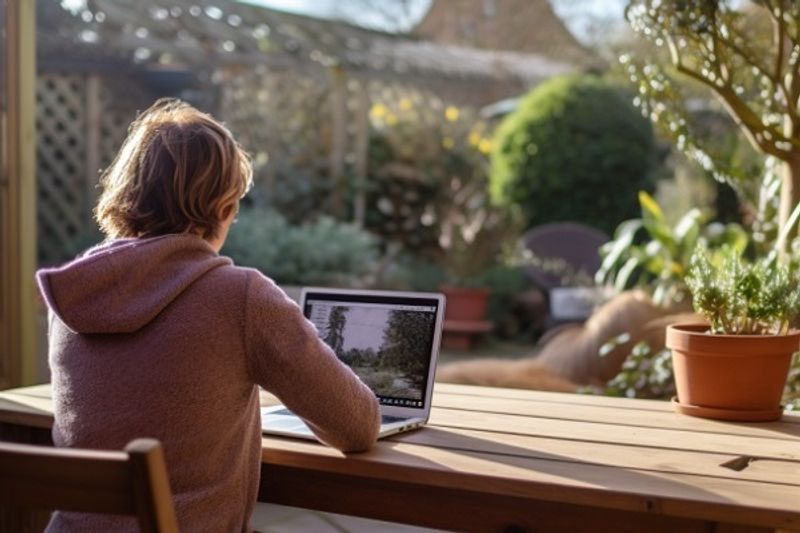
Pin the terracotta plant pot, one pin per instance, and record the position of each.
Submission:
(730, 377)
(465, 303)
(464, 316)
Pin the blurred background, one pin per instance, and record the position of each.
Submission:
(524, 149)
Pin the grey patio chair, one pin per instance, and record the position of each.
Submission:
(562, 250)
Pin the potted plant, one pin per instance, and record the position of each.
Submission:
(467, 298)
(467, 261)
(735, 367)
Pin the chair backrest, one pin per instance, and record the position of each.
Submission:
(562, 249)
(133, 482)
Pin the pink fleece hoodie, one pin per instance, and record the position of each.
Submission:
(164, 338)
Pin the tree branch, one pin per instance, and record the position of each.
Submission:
(749, 121)
(754, 128)
(777, 82)
(719, 57)
(780, 32)
(794, 80)
(745, 54)
(780, 35)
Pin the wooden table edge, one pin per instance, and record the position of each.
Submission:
(340, 464)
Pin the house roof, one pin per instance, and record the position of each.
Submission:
(525, 26)
(216, 33)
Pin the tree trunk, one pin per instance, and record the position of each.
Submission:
(790, 192)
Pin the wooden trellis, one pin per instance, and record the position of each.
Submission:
(298, 92)
(81, 121)
(61, 159)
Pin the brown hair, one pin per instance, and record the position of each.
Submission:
(178, 170)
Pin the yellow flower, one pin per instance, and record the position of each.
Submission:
(485, 146)
(448, 142)
(378, 110)
(451, 113)
(474, 138)
(405, 104)
(391, 119)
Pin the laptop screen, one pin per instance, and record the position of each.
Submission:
(386, 340)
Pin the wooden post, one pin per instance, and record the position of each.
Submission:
(338, 139)
(271, 144)
(361, 152)
(93, 120)
(18, 356)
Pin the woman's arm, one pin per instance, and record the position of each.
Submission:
(288, 359)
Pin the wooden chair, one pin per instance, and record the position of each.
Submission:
(133, 482)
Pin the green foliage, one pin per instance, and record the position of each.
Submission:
(644, 374)
(791, 395)
(742, 298)
(409, 272)
(325, 252)
(568, 153)
(745, 53)
(649, 374)
(650, 253)
(427, 191)
(506, 283)
(406, 341)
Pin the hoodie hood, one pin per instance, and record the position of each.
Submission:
(121, 286)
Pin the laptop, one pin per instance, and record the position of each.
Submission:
(390, 339)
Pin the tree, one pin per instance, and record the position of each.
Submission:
(748, 56)
(333, 335)
(406, 340)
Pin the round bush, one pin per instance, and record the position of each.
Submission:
(576, 149)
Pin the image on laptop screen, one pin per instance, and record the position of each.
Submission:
(386, 340)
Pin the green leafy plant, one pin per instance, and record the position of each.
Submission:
(644, 374)
(325, 252)
(571, 141)
(791, 395)
(742, 298)
(649, 252)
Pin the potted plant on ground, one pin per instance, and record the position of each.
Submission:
(735, 367)
(467, 297)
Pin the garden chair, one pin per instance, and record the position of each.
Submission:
(560, 255)
(567, 249)
(131, 482)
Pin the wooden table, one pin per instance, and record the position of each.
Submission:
(511, 460)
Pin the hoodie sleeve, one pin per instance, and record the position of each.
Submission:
(288, 359)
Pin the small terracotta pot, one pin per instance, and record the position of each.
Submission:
(730, 377)
(467, 304)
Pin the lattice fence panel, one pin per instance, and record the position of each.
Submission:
(283, 119)
(120, 101)
(61, 162)
(74, 145)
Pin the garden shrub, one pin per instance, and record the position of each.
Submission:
(325, 252)
(574, 150)
(427, 192)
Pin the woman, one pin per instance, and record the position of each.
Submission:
(154, 334)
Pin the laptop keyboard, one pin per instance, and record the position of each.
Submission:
(385, 419)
